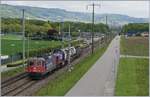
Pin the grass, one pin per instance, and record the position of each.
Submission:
(137, 46)
(61, 85)
(133, 77)
(11, 37)
(13, 72)
(7, 48)
(11, 44)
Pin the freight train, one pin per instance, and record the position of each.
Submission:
(38, 67)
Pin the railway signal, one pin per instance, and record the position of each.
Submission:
(93, 6)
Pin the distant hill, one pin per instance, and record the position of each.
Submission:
(55, 14)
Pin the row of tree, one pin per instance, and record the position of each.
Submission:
(32, 27)
(135, 27)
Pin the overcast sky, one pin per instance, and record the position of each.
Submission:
(130, 8)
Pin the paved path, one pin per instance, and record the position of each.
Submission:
(100, 79)
(131, 56)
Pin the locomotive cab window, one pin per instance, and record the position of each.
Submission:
(31, 63)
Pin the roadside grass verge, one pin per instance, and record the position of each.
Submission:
(61, 85)
(133, 77)
(137, 46)
(13, 72)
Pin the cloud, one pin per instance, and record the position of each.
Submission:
(131, 8)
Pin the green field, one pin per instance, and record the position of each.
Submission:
(7, 48)
(137, 46)
(133, 77)
(61, 85)
(11, 44)
(11, 37)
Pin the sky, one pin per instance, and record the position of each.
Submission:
(138, 9)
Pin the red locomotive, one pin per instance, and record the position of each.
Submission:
(40, 66)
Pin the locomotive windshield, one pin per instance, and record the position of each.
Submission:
(36, 61)
(31, 63)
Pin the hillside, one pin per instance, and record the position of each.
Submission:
(55, 14)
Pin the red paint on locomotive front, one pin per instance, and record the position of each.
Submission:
(36, 69)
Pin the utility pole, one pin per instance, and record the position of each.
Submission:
(23, 34)
(62, 34)
(59, 25)
(28, 41)
(93, 6)
(106, 32)
(106, 19)
(69, 65)
(59, 29)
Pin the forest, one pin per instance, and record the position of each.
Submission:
(32, 27)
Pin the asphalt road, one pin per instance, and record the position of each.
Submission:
(100, 79)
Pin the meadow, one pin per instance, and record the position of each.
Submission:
(133, 73)
(9, 47)
(12, 44)
(137, 46)
(133, 77)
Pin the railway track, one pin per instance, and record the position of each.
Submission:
(14, 91)
(32, 90)
(9, 81)
(21, 83)
(15, 85)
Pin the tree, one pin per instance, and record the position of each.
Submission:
(10, 25)
(135, 27)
